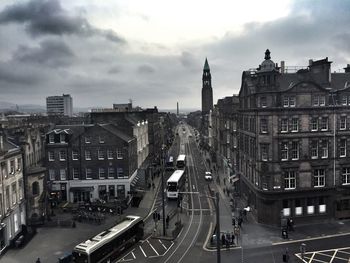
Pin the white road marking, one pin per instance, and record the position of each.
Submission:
(143, 252)
(152, 248)
(307, 239)
(132, 253)
(160, 241)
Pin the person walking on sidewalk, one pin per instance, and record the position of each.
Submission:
(240, 221)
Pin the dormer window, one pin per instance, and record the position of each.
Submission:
(319, 100)
(51, 138)
(101, 140)
(344, 100)
(289, 101)
(263, 102)
(62, 138)
(87, 140)
(292, 101)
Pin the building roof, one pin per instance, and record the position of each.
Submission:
(114, 130)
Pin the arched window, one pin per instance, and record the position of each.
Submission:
(35, 188)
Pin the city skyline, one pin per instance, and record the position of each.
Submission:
(112, 52)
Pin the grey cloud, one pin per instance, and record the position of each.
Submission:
(115, 70)
(145, 69)
(52, 53)
(47, 17)
(11, 74)
(188, 60)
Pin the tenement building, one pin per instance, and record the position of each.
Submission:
(90, 162)
(224, 135)
(294, 142)
(12, 204)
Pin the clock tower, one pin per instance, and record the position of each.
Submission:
(207, 91)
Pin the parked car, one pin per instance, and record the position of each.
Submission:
(208, 176)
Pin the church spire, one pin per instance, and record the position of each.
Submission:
(206, 65)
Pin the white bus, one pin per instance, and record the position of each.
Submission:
(181, 161)
(109, 244)
(175, 184)
(169, 165)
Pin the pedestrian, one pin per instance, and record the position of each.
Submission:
(233, 221)
(240, 221)
(167, 221)
(291, 223)
(38, 261)
(223, 239)
(232, 238)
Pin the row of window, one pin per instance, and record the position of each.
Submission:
(13, 195)
(318, 149)
(102, 173)
(317, 101)
(293, 125)
(63, 138)
(11, 167)
(319, 178)
(101, 155)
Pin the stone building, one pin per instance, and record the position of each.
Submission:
(224, 135)
(31, 141)
(90, 162)
(294, 142)
(12, 202)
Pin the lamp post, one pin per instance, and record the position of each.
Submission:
(218, 256)
(163, 205)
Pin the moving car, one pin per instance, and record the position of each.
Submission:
(208, 176)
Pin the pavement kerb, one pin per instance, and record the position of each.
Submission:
(309, 239)
(154, 202)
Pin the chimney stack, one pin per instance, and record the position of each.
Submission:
(282, 67)
(310, 62)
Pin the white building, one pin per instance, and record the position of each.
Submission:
(59, 105)
(12, 204)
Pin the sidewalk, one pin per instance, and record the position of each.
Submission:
(253, 234)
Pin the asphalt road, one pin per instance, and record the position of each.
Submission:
(188, 247)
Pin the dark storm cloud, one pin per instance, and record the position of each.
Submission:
(16, 77)
(145, 69)
(53, 53)
(47, 17)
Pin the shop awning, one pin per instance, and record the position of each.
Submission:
(81, 189)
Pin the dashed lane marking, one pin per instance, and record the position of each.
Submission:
(132, 253)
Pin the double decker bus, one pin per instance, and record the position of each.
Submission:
(181, 161)
(109, 244)
(175, 184)
(169, 165)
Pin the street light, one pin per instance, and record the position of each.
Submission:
(163, 205)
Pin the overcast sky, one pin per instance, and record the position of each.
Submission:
(153, 51)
